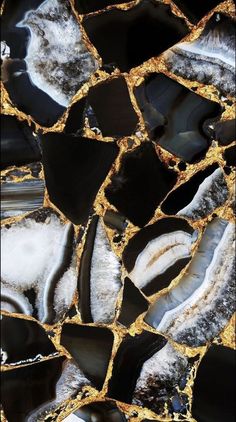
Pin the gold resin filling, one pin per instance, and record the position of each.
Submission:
(215, 153)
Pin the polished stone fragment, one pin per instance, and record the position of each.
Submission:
(210, 59)
(199, 196)
(128, 38)
(196, 10)
(99, 276)
(230, 156)
(75, 120)
(42, 281)
(25, 389)
(115, 220)
(197, 309)
(106, 411)
(18, 144)
(133, 304)
(21, 197)
(23, 341)
(91, 348)
(157, 253)
(214, 386)
(224, 131)
(75, 168)
(175, 116)
(88, 6)
(113, 109)
(45, 66)
(142, 179)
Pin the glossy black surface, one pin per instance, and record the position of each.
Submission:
(128, 38)
(91, 348)
(75, 119)
(225, 132)
(113, 109)
(84, 272)
(23, 340)
(24, 389)
(184, 194)
(214, 387)
(114, 221)
(128, 362)
(133, 304)
(195, 10)
(18, 145)
(174, 116)
(230, 156)
(142, 179)
(140, 240)
(75, 168)
(88, 6)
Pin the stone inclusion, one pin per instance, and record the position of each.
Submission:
(118, 203)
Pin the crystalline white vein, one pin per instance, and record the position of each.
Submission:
(57, 59)
(104, 278)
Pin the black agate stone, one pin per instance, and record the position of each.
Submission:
(85, 163)
(174, 116)
(128, 38)
(142, 179)
(133, 304)
(196, 10)
(214, 387)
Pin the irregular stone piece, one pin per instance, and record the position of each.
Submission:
(128, 38)
(195, 11)
(23, 341)
(91, 348)
(19, 198)
(114, 220)
(100, 411)
(156, 254)
(214, 386)
(113, 109)
(210, 59)
(175, 116)
(199, 307)
(42, 281)
(45, 65)
(230, 156)
(85, 163)
(75, 120)
(18, 144)
(29, 387)
(133, 304)
(199, 196)
(159, 381)
(99, 276)
(88, 6)
(131, 355)
(142, 179)
(224, 131)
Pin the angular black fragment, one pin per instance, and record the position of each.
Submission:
(230, 156)
(183, 195)
(91, 348)
(140, 240)
(128, 38)
(225, 132)
(114, 220)
(24, 389)
(142, 180)
(75, 119)
(214, 387)
(133, 304)
(174, 116)
(84, 272)
(23, 340)
(195, 11)
(88, 6)
(18, 145)
(128, 362)
(75, 168)
(113, 109)
(101, 412)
